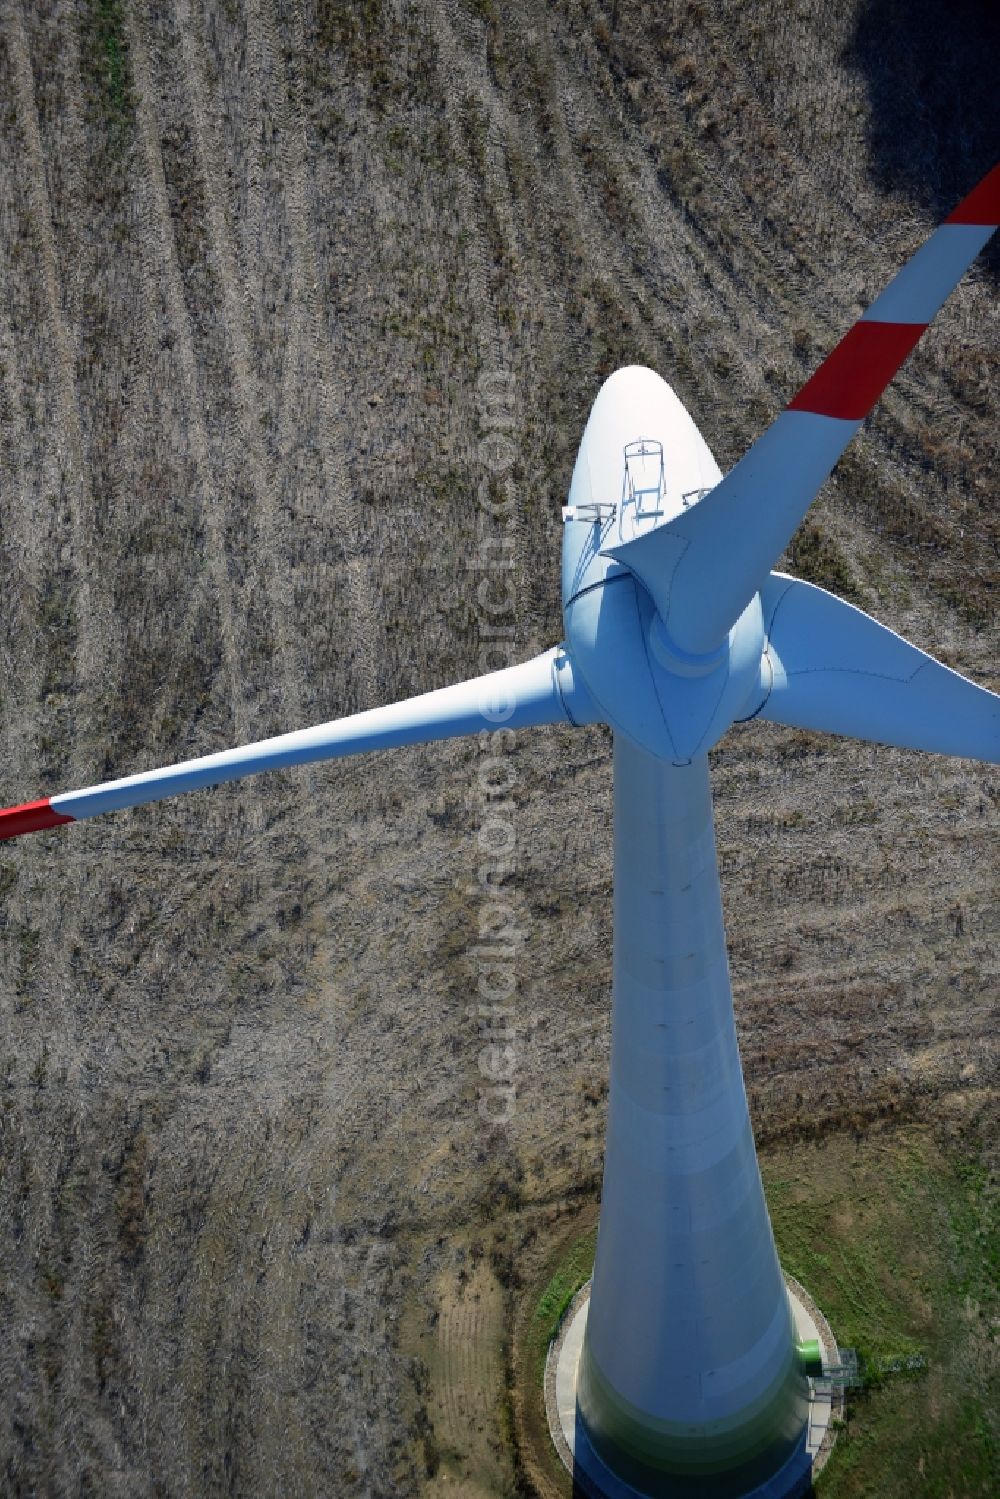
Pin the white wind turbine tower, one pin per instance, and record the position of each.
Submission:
(689, 1381)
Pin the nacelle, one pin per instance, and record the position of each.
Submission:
(642, 462)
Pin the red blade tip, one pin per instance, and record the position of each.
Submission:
(32, 817)
(982, 205)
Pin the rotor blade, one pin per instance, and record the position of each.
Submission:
(540, 691)
(830, 666)
(732, 536)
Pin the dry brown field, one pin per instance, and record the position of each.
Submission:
(256, 257)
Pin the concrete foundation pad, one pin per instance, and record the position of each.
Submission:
(594, 1479)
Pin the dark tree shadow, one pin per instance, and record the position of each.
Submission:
(931, 69)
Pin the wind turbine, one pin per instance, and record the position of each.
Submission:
(689, 1379)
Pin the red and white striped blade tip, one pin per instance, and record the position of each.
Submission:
(32, 817)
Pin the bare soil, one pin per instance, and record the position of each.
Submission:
(255, 1236)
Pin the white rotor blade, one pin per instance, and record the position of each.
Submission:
(734, 534)
(830, 666)
(540, 691)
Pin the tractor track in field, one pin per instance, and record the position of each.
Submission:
(652, 243)
(264, 477)
(453, 66)
(61, 532)
(672, 254)
(575, 117)
(20, 658)
(25, 519)
(497, 356)
(253, 232)
(243, 445)
(469, 1345)
(163, 253)
(68, 440)
(501, 350)
(309, 324)
(308, 340)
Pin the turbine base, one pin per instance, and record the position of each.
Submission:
(595, 1479)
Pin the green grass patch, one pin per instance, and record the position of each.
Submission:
(573, 1272)
(896, 1237)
